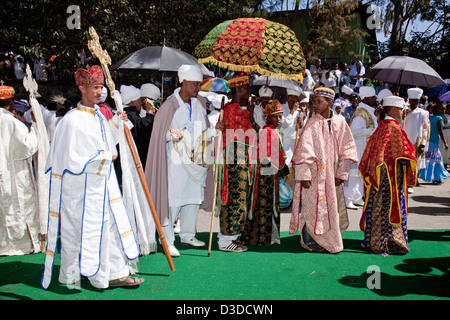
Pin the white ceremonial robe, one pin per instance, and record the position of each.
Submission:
(186, 180)
(19, 219)
(49, 118)
(417, 128)
(97, 239)
(354, 186)
(259, 116)
(288, 129)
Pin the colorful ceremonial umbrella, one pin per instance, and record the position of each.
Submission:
(215, 85)
(403, 70)
(254, 45)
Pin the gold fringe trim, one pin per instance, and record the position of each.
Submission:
(53, 214)
(126, 234)
(252, 69)
(56, 176)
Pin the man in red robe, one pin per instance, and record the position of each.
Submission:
(388, 167)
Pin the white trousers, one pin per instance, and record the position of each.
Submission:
(113, 263)
(188, 222)
(354, 186)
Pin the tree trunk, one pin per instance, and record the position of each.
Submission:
(395, 47)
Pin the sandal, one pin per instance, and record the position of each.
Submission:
(125, 283)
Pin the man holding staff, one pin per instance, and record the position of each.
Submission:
(176, 170)
(97, 239)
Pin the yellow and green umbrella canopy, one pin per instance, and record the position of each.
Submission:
(254, 45)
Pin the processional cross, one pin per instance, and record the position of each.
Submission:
(105, 60)
(29, 83)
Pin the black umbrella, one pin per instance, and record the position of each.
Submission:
(158, 59)
(403, 70)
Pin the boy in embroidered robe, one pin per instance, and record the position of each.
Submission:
(239, 137)
(263, 222)
(322, 160)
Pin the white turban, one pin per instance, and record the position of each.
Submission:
(265, 92)
(293, 92)
(347, 90)
(129, 93)
(149, 90)
(190, 73)
(365, 92)
(383, 93)
(415, 93)
(394, 101)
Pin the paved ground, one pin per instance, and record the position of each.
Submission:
(429, 208)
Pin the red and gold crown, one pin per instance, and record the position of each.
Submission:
(237, 81)
(6, 92)
(86, 77)
(272, 108)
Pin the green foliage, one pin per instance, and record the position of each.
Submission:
(39, 27)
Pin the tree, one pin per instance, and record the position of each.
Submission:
(328, 29)
(39, 27)
(397, 16)
(431, 45)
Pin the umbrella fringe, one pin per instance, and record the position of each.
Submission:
(250, 69)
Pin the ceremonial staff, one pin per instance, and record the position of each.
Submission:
(105, 60)
(42, 181)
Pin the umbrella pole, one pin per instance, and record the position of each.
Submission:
(216, 176)
(162, 88)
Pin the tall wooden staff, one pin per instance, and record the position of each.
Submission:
(105, 60)
(216, 176)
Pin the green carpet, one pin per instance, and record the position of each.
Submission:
(279, 272)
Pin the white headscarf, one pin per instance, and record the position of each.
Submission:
(354, 70)
(265, 92)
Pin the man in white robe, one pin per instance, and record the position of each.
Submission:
(179, 188)
(289, 126)
(342, 100)
(97, 239)
(19, 217)
(417, 125)
(362, 124)
(265, 95)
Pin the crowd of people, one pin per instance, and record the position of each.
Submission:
(338, 142)
(12, 67)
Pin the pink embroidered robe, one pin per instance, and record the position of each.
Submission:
(322, 154)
